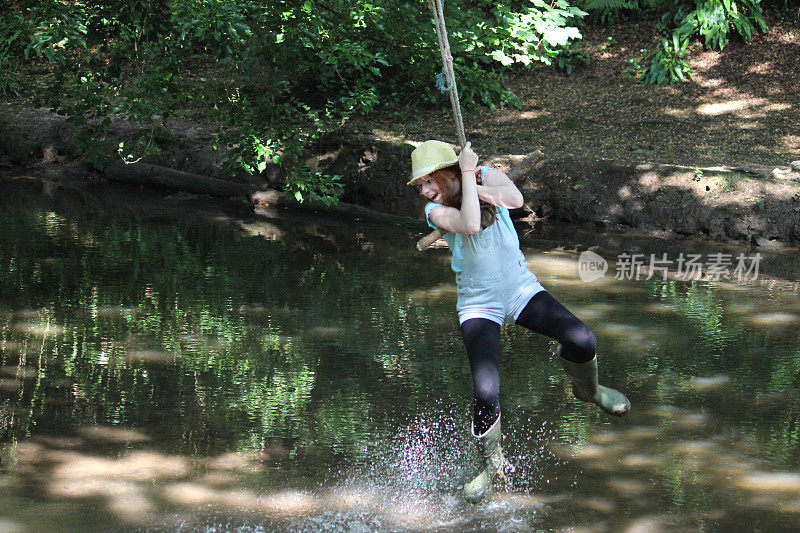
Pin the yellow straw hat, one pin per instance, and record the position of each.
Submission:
(430, 156)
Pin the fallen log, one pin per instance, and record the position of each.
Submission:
(167, 178)
(530, 161)
(273, 198)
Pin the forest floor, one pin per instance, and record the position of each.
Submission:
(660, 158)
(742, 106)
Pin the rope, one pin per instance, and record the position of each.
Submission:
(442, 83)
(446, 80)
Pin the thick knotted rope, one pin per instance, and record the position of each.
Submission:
(446, 81)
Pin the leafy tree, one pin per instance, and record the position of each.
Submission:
(274, 75)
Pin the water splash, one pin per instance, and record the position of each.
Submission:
(412, 480)
(527, 443)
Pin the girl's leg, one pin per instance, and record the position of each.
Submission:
(482, 340)
(543, 314)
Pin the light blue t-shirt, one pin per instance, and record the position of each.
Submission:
(480, 251)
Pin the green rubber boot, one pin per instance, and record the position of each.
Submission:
(585, 387)
(493, 463)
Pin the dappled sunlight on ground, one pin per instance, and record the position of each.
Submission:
(731, 106)
(750, 83)
(791, 142)
(746, 108)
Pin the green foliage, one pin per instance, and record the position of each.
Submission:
(275, 75)
(92, 143)
(476, 87)
(533, 33)
(217, 27)
(9, 80)
(786, 11)
(714, 19)
(710, 19)
(59, 31)
(667, 64)
(570, 56)
(315, 185)
(611, 11)
(12, 29)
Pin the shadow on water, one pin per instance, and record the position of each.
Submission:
(243, 374)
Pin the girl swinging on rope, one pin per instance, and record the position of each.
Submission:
(495, 286)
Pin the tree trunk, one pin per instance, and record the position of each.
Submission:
(273, 198)
(167, 178)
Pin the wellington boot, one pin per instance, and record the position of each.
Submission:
(493, 463)
(585, 387)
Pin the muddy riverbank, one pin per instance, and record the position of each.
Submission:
(753, 204)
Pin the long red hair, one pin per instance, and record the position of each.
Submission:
(445, 178)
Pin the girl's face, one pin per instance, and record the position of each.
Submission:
(431, 189)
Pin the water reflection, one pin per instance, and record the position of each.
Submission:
(273, 374)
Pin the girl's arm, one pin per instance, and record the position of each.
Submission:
(467, 219)
(499, 190)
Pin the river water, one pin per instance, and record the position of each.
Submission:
(207, 372)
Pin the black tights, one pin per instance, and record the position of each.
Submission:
(543, 314)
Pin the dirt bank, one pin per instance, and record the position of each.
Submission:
(760, 206)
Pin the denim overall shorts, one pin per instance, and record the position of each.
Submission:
(494, 282)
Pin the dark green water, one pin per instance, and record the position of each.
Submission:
(198, 373)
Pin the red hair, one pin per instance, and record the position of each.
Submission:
(445, 179)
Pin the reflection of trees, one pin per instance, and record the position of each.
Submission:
(207, 333)
(224, 341)
(764, 368)
(207, 340)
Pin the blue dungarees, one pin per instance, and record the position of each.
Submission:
(491, 272)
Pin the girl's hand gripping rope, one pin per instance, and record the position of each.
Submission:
(467, 160)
